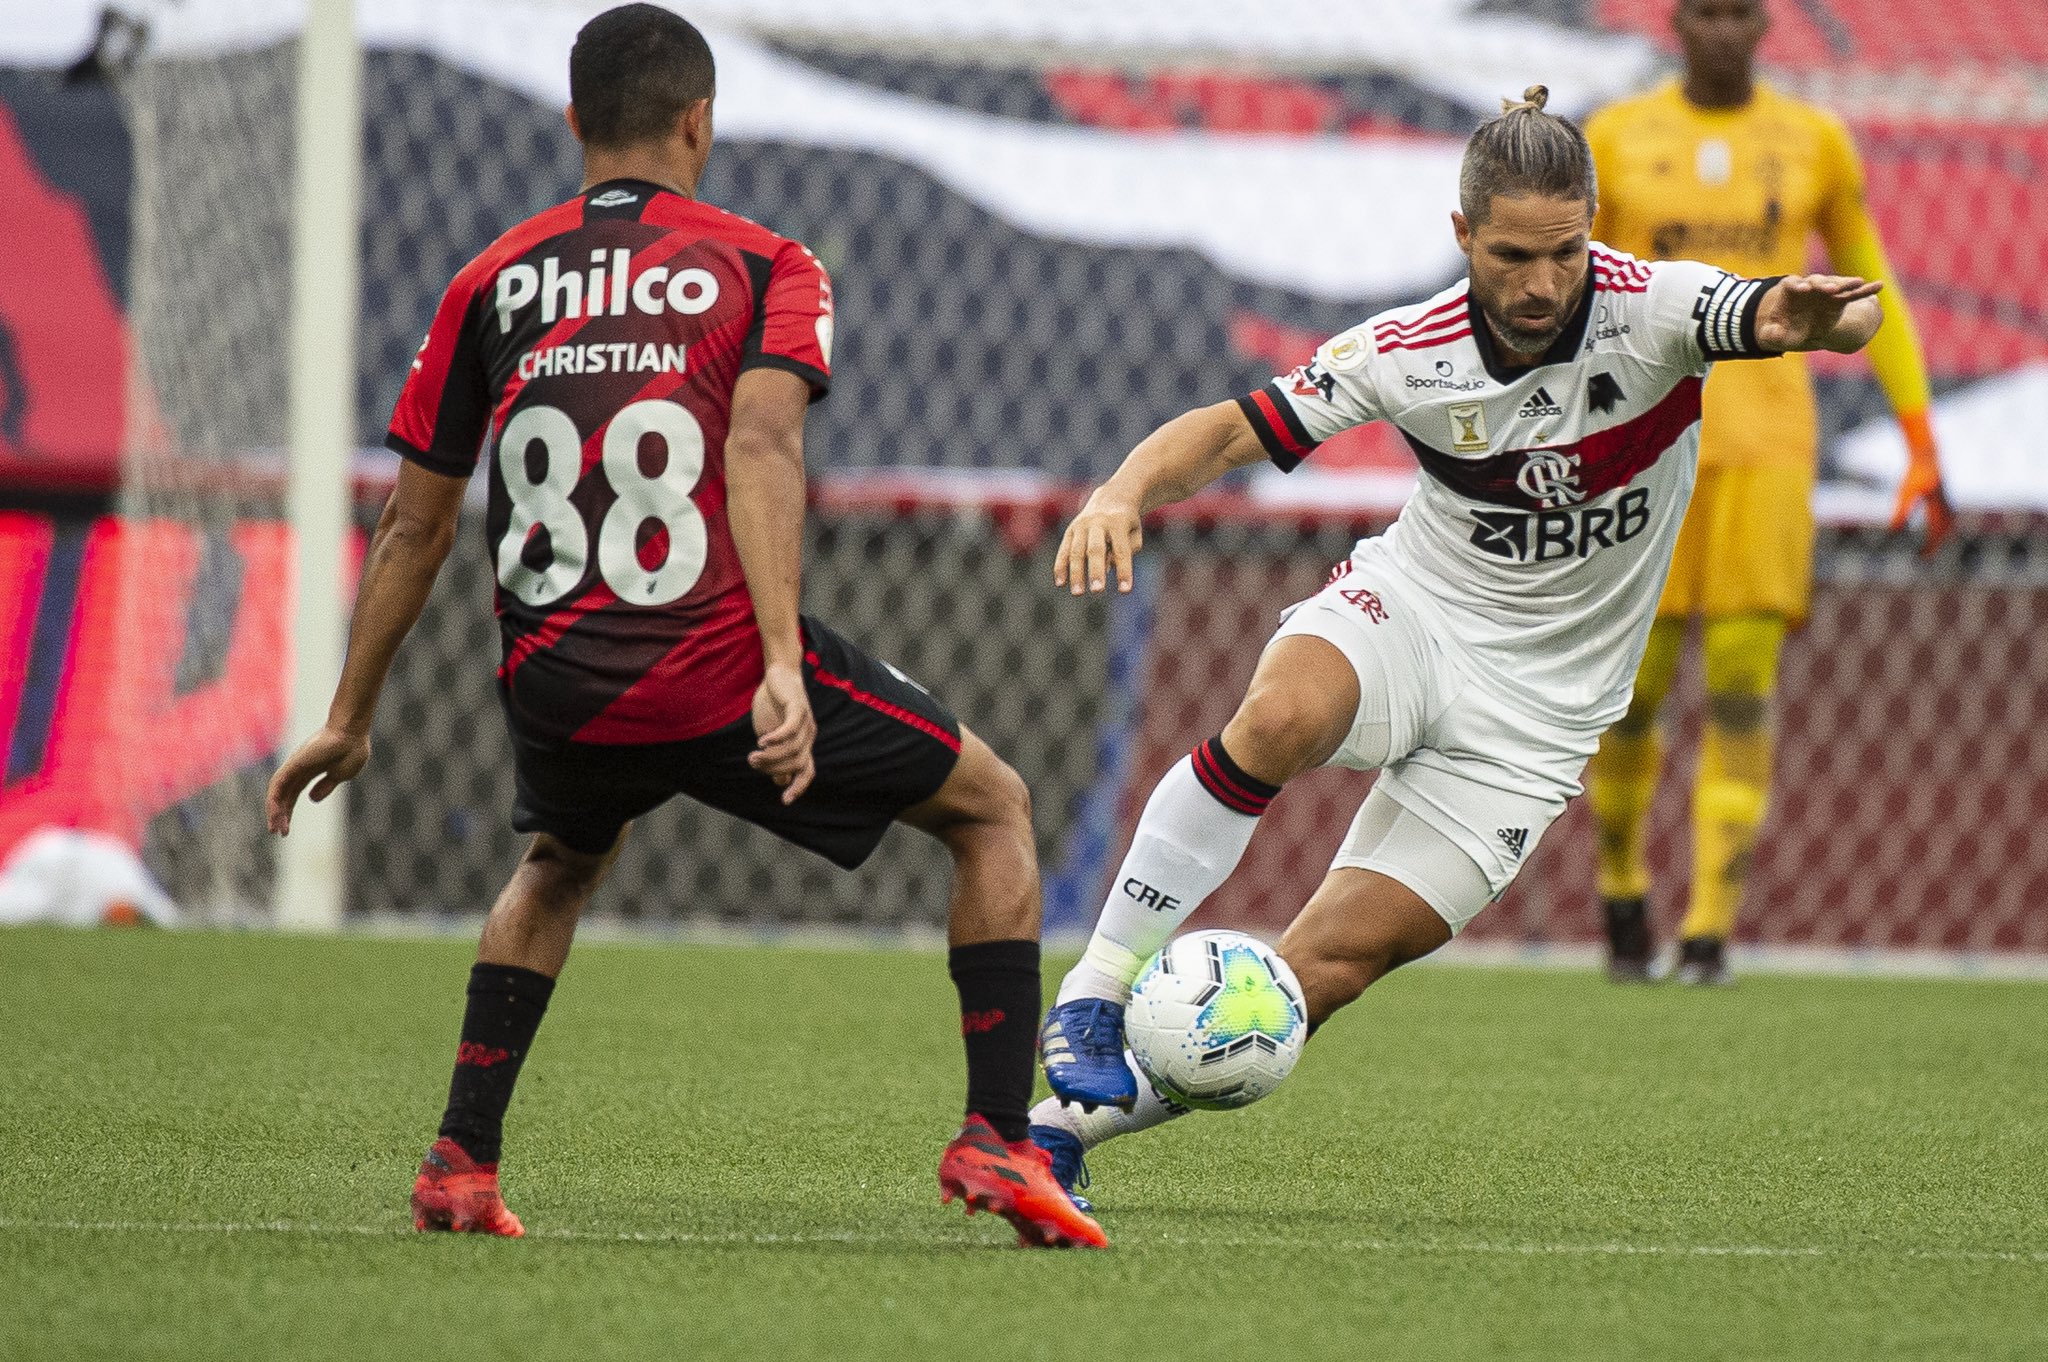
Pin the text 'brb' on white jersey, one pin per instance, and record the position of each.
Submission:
(1551, 496)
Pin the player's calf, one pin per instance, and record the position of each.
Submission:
(1359, 927)
(534, 920)
(982, 814)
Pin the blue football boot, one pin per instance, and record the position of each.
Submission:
(1082, 1048)
(1069, 1168)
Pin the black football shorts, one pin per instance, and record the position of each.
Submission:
(884, 744)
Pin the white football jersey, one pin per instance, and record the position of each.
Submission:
(1550, 498)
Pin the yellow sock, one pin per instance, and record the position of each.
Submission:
(1726, 813)
(1621, 780)
(1733, 792)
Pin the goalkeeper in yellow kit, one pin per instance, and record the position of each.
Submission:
(1717, 167)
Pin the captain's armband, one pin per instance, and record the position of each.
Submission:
(1725, 315)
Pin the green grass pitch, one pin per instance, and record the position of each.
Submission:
(206, 1143)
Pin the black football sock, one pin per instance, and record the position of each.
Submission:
(506, 1004)
(999, 1002)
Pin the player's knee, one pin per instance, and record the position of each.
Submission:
(1278, 733)
(561, 878)
(1741, 665)
(991, 809)
(1010, 800)
(995, 796)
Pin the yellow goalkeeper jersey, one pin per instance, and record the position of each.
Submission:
(1746, 189)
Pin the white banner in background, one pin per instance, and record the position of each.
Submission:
(1994, 443)
(1339, 217)
(1452, 46)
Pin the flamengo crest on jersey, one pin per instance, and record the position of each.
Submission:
(1542, 527)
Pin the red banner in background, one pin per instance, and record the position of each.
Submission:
(64, 346)
(124, 744)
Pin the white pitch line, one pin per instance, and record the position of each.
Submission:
(394, 1231)
(769, 1240)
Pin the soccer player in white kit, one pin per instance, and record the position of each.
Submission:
(1474, 652)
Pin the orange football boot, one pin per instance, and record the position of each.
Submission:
(455, 1192)
(1014, 1181)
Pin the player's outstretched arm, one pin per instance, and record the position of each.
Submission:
(411, 542)
(1819, 312)
(1171, 464)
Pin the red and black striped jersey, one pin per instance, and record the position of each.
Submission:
(589, 357)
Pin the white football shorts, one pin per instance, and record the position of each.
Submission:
(1486, 776)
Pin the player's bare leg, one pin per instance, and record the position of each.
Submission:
(525, 942)
(535, 917)
(1296, 713)
(982, 814)
(1360, 926)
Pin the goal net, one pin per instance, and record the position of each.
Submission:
(1050, 228)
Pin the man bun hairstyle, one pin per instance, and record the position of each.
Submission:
(1525, 151)
(632, 73)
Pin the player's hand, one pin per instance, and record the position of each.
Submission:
(1103, 538)
(1922, 484)
(324, 761)
(784, 730)
(1801, 309)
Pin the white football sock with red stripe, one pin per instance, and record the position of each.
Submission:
(1194, 830)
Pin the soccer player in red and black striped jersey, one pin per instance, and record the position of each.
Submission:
(633, 367)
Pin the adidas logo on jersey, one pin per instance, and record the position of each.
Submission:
(1540, 404)
(608, 289)
(1550, 536)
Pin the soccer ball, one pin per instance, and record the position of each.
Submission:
(1216, 1020)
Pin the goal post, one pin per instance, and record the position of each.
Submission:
(321, 432)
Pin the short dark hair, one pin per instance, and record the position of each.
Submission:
(1525, 151)
(632, 73)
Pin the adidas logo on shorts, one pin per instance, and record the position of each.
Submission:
(1516, 840)
(1541, 404)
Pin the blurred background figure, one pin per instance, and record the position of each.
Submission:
(1715, 165)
